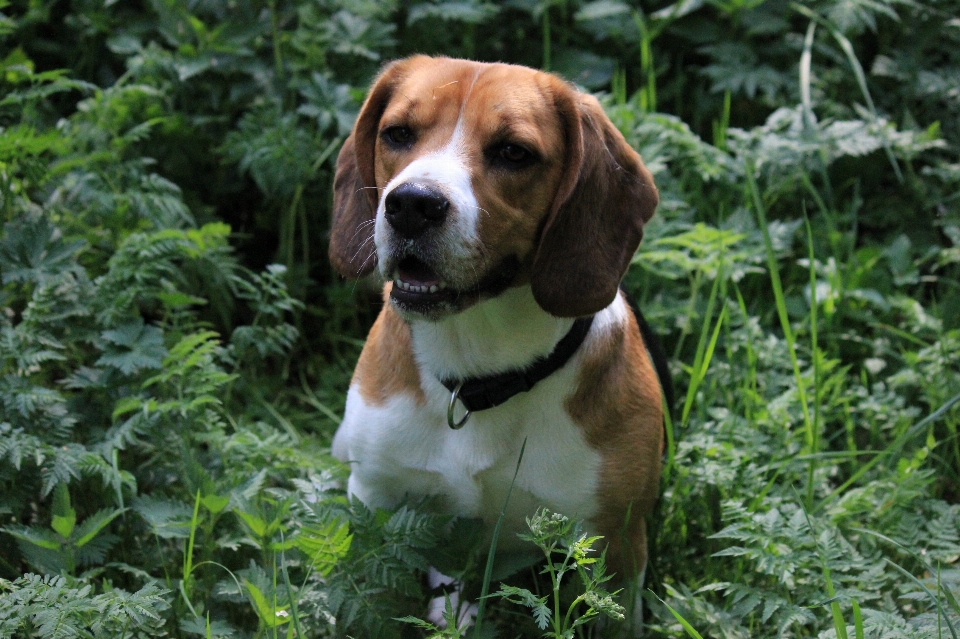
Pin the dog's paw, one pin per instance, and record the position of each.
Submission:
(465, 612)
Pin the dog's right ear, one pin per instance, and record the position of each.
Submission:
(355, 196)
(606, 195)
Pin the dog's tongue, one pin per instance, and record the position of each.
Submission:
(415, 272)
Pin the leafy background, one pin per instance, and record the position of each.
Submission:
(175, 350)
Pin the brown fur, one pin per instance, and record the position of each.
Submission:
(386, 367)
(617, 403)
(517, 202)
(355, 196)
(352, 252)
(592, 234)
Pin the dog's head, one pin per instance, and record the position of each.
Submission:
(462, 179)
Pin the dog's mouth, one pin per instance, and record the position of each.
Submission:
(418, 288)
(416, 283)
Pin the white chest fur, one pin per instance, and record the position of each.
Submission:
(401, 448)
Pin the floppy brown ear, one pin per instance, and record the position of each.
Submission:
(351, 237)
(605, 197)
(352, 250)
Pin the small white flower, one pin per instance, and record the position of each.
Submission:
(874, 364)
(283, 613)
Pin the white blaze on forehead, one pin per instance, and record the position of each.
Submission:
(446, 169)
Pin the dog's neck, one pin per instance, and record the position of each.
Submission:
(492, 336)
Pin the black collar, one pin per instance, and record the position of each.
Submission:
(481, 393)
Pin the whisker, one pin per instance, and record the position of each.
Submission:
(357, 281)
(365, 224)
(479, 208)
(363, 188)
(372, 255)
(476, 276)
(360, 248)
(360, 227)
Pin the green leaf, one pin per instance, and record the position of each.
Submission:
(167, 519)
(61, 502)
(132, 403)
(215, 503)
(271, 615)
(583, 67)
(133, 347)
(690, 630)
(64, 525)
(601, 9)
(521, 596)
(469, 11)
(419, 623)
(92, 525)
(176, 299)
(257, 525)
(324, 546)
(37, 537)
(32, 249)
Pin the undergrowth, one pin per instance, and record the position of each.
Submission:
(175, 350)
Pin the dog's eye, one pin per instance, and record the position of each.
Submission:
(399, 135)
(511, 156)
(514, 153)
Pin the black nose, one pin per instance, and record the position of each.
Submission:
(412, 208)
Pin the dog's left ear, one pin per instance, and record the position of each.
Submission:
(352, 251)
(595, 223)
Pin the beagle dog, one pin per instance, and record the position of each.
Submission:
(502, 208)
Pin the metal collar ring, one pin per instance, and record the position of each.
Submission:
(456, 425)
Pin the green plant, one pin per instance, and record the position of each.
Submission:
(68, 545)
(51, 607)
(566, 550)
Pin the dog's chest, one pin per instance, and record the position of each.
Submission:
(403, 448)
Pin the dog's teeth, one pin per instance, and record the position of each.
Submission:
(414, 288)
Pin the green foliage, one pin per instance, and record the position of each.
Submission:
(58, 607)
(69, 544)
(557, 536)
(380, 577)
(566, 549)
(175, 351)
